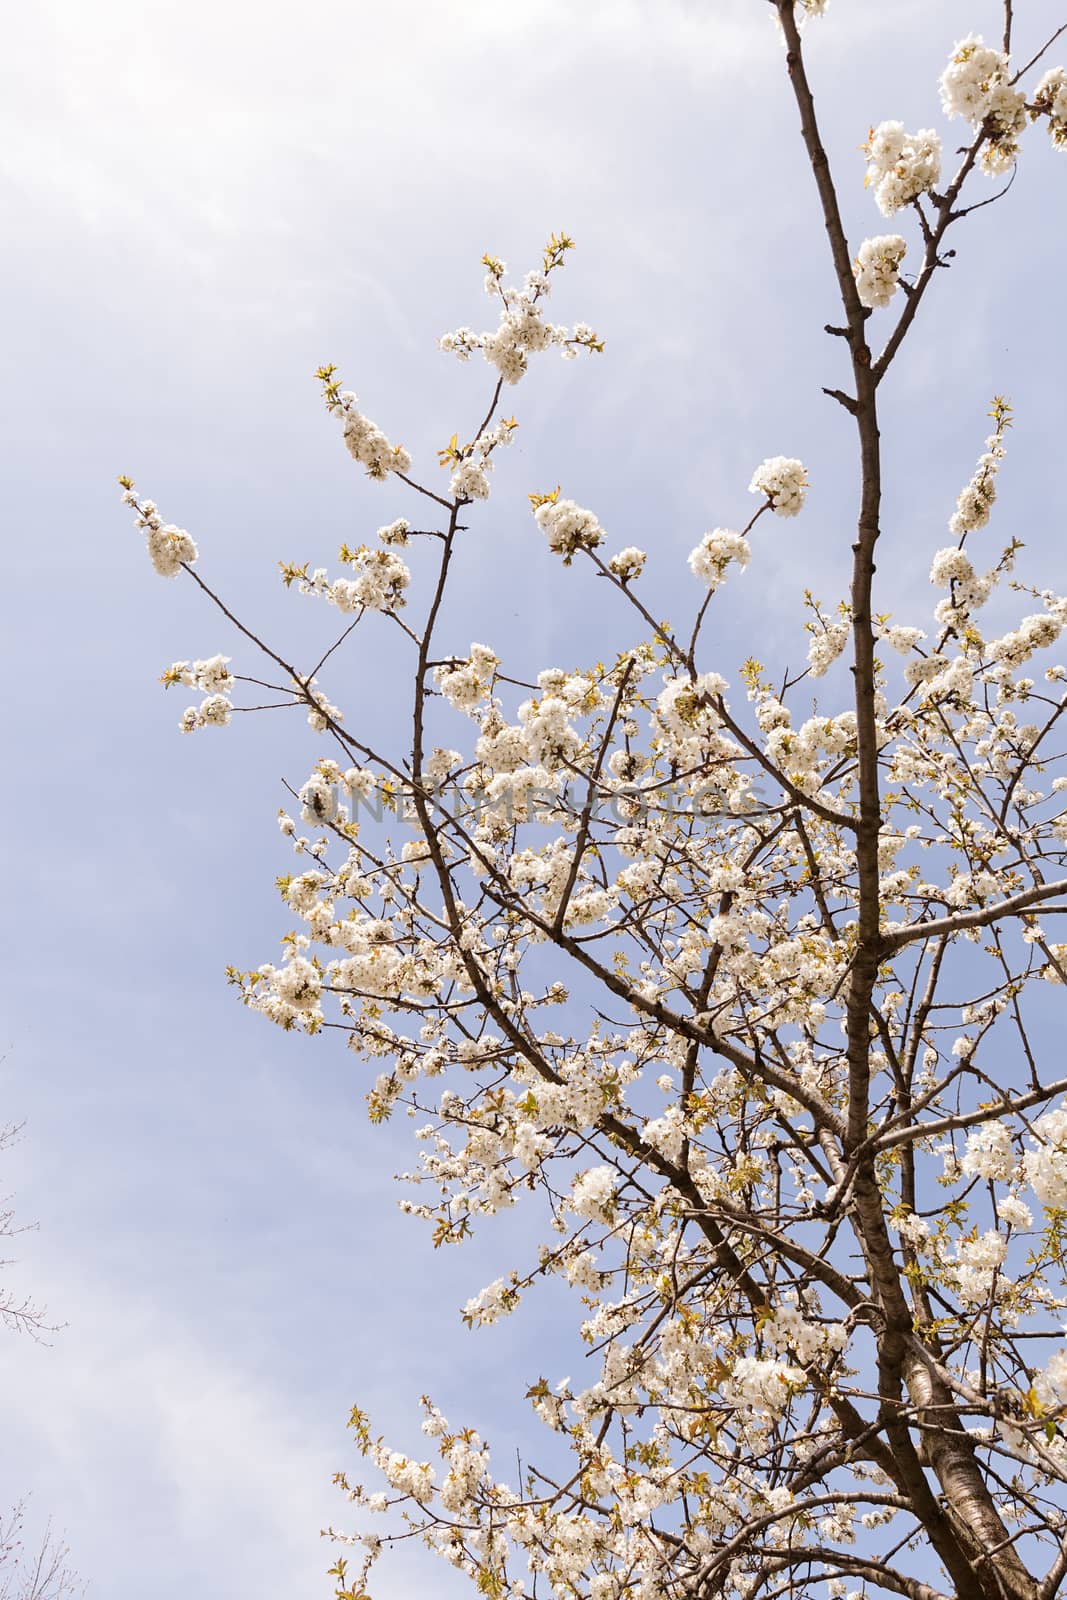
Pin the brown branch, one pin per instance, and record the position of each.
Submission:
(982, 917)
(1007, 1107)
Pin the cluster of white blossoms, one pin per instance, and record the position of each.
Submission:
(472, 464)
(378, 582)
(215, 681)
(712, 556)
(1045, 1163)
(364, 440)
(826, 646)
(765, 1384)
(784, 481)
(498, 1299)
(214, 711)
(1050, 100)
(968, 592)
(990, 1152)
(1034, 633)
(212, 676)
(466, 684)
(976, 499)
(321, 711)
(789, 1329)
(414, 1478)
(977, 1262)
(877, 269)
(628, 564)
(567, 527)
(951, 565)
(593, 1196)
(395, 533)
(1014, 1213)
(977, 85)
(901, 638)
(523, 329)
(686, 714)
(318, 803)
(169, 548)
(470, 481)
(901, 166)
(1051, 1384)
(292, 989)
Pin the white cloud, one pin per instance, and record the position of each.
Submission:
(137, 1434)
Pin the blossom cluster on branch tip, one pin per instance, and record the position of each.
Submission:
(976, 499)
(523, 329)
(212, 676)
(826, 645)
(169, 547)
(364, 440)
(395, 533)
(977, 85)
(294, 988)
(215, 680)
(1045, 1162)
(321, 711)
(876, 269)
(593, 1196)
(465, 684)
(784, 481)
(1050, 100)
(901, 166)
(628, 564)
(567, 527)
(378, 583)
(214, 711)
(471, 464)
(713, 555)
(900, 638)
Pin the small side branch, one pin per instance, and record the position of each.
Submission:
(846, 400)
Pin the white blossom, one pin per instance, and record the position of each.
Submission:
(594, 1194)
(711, 557)
(976, 85)
(901, 166)
(367, 444)
(568, 528)
(877, 269)
(826, 645)
(784, 481)
(990, 1152)
(470, 481)
(1015, 1212)
(1045, 1163)
(1050, 100)
(628, 564)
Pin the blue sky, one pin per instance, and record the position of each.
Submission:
(205, 203)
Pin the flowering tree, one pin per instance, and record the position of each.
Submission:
(44, 1575)
(18, 1313)
(743, 1003)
